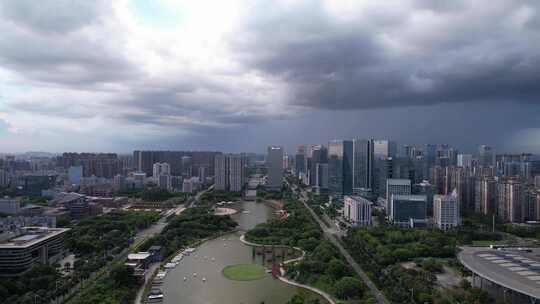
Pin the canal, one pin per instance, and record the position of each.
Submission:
(198, 279)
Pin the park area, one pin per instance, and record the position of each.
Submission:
(244, 272)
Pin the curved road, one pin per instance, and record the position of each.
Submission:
(329, 234)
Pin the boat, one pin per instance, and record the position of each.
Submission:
(194, 274)
(185, 279)
(204, 279)
(155, 295)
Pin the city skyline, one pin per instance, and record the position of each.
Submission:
(167, 75)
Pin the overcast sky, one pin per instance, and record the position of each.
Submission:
(236, 75)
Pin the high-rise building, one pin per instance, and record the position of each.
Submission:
(4, 178)
(187, 166)
(318, 154)
(464, 160)
(532, 212)
(425, 188)
(406, 210)
(537, 181)
(384, 148)
(485, 156)
(164, 181)
(396, 187)
(230, 172)
(446, 211)
(274, 165)
(362, 165)
(321, 181)
(101, 165)
(300, 162)
(357, 210)
(511, 200)
(340, 160)
(485, 195)
(161, 169)
(75, 175)
(144, 160)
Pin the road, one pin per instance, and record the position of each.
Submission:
(330, 235)
(156, 229)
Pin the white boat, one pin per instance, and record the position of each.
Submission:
(185, 279)
(204, 279)
(194, 274)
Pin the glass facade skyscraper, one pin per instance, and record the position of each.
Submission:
(340, 159)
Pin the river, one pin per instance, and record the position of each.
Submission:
(181, 286)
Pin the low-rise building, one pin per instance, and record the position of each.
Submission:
(28, 246)
(446, 211)
(408, 210)
(10, 206)
(357, 210)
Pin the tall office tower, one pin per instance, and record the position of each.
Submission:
(418, 165)
(318, 155)
(437, 178)
(396, 187)
(274, 164)
(403, 168)
(485, 195)
(537, 181)
(187, 166)
(464, 160)
(446, 210)
(230, 172)
(357, 210)
(221, 173)
(425, 188)
(321, 183)
(511, 200)
(362, 164)
(4, 178)
(382, 172)
(485, 156)
(384, 148)
(300, 162)
(161, 169)
(430, 155)
(452, 156)
(203, 174)
(340, 167)
(237, 172)
(408, 210)
(532, 204)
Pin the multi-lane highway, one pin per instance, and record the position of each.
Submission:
(331, 235)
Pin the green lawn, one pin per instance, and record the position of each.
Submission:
(244, 272)
(487, 242)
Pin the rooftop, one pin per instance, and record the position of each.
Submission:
(138, 256)
(31, 236)
(512, 268)
(398, 182)
(409, 197)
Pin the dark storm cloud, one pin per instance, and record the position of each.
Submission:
(56, 43)
(459, 52)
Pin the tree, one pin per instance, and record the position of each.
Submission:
(336, 269)
(122, 275)
(296, 299)
(348, 288)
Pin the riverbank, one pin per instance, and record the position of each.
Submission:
(282, 277)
